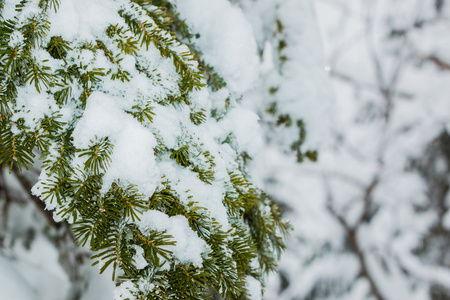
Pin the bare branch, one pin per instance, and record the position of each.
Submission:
(368, 201)
(352, 237)
(440, 63)
(27, 185)
(345, 77)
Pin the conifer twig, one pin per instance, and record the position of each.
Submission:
(209, 74)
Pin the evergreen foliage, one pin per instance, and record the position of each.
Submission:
(64, 74)
(283, 119)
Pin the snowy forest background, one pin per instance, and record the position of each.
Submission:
(370, 217)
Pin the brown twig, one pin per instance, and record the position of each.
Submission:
(348, 78)
(441, 64)
(365, 216)
(71, 257)
(27, 185)
(351, 233)
(5, 208)
(352, 237)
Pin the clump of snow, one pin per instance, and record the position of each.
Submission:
(200, 99)
(32, 106)
(188, 248)
(132, 160)
(247, 130)
(168, 123)
(141, 262)
(127, 290)
(16, 39)
(244, 124)
(43, 56)
(191, 188)
(39, 187)
(124, 291)
(232, 52)
(83, 19)
(9, 10)
(254, 288)
(30, 10)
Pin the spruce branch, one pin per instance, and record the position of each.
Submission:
(105, 213)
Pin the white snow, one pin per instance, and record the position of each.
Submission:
(16, 39)
(124, 291)
(132, 161)
(295, 72)
(254, 288)
(363, 145)
(188, 248)
(244, 124)
(84, 20)
(32, 106)
(33, 274)
(9, 10)
(227, 41)
(192, 189)
(232, 52)
(141, 262)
